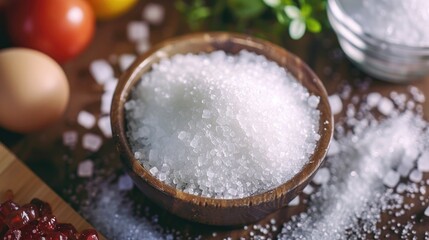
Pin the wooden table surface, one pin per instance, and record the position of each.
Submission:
(53, 162)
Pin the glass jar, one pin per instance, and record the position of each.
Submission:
(378, 57)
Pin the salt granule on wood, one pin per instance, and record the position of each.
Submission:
(85, 168)
(125, 61)
(294, 202)
(322, 176)
(125, 183)
(416, 175)
(86, 119)
(427, 212)
(105, 126)
(385, 106)
(106, 102)
(423, 162)
(110, 85)
(336, 104)
(70, 138)
(91, 142)
(391, 179)
(142, 46)
(222, 126)
(101, 71)
(137, 31)
(153, 13)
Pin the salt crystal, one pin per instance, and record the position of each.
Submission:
(154, 171)
(85, 168)
(308, 190)
(313, 101)
(391, 179)
(70, 138)
(206, 113)
(125, 61)
(142, 46)
(110, 85)
(125, 183)
(106, 102)
(373, 99)
(91, 142)
(385, 106)
(86, 119)
(153, 13)
(423, 162)
(137, 31)
(322, 176)
(101, 71)
(416, 175)
(334, 148)
(404, 169)
(294, 202)
(427, 212)
(105, 126)
(336, 104)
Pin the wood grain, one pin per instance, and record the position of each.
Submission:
(14, 175)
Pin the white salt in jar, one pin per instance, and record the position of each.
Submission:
(388, 39)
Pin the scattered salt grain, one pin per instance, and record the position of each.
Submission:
(105, 126)
(322, 176)
(125, 61)
(336, 104)
(334, 148)
(385, 106)
(125, 183)
(101, 71)
(70, 138)
(137, 31)
(373, 99)
(91, 142)
(209, 119)
(294, 202)
(110, 85)
(85, 168)
(427, 212)
(86, 119)
(416, 175)
(391, 179)
(153, 13)
(423, 162)
(142, 46)
(308, 190)
(106, 102)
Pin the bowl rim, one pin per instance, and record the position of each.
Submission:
(128, 80)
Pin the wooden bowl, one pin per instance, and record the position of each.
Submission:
(208, 210)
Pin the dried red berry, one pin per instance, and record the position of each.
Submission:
(7, 208)
(43, 207)
(55, 236)
(31, 231)
(19, 218)
(47, 223)
(13, 234)
(68, 230)
(88, 234)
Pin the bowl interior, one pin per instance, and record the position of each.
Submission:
(230, 43)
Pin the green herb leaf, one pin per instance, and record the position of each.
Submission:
(313, 25)
(246, 9)
(297, 28)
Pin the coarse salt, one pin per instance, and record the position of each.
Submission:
(208, 117)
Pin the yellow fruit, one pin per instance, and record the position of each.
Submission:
(107, 9)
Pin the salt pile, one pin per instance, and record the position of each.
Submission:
(366, 168)
(396, 21)
(222, 126)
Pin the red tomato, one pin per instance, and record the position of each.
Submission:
(59, 28)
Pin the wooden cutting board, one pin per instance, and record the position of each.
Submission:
(26, 185)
